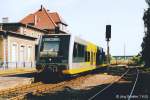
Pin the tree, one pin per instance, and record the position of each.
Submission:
(146, 40)
(137, 59)
(148, 2)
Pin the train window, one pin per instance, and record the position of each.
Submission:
(75, 50)
(81, 51)
(78, 53)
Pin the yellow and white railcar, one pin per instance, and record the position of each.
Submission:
(68, 54)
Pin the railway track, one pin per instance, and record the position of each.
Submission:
(8, 93)
(38, 88)
(35, 88)
(112, 88)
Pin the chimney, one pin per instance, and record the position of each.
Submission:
(42, 7)
(5, 20)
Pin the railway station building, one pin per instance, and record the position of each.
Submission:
(19, 41)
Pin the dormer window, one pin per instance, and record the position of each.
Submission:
(21, 30)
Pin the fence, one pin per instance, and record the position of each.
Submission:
(15, 65)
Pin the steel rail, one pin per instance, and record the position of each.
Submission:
(43, 89)
(40, 89)
(91, 98)
(137, 76)
(17, 90)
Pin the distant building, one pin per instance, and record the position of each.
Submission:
(119, 57)
(19, 41)
(45, 20)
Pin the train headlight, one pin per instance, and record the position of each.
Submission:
(50, 59)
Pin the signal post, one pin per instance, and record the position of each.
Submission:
(108, 36)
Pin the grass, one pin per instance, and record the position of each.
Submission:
(124, 62)
(146, 69)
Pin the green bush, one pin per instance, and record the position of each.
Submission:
(137, 60)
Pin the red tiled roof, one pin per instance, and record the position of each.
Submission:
(43, 20)
(56, 18)
(28, 19)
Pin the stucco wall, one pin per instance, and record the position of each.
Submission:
(26, 43)
(1, 48)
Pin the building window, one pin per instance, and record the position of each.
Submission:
(21, 30)
(29, 53)
(22, 53)
(14, 54)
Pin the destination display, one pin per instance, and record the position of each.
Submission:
(52, 39)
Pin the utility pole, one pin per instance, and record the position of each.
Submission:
(124, 51)
(108, 59)
(108, 36)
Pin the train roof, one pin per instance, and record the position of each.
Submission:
(83, 41)
(76, 38)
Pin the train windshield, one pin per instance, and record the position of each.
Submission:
(55, 49)
(51, 46)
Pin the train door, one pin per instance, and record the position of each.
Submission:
(98, 59)
(91, 58)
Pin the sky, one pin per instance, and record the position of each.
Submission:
(88, 19)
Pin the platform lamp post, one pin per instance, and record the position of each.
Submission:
(108, 36)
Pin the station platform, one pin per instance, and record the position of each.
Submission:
(17, 71)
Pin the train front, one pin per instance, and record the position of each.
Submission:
(53, 53)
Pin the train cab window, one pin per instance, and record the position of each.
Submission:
(78, 53)
(56, 48)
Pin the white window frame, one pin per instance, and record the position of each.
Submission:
(14, 43)
(24, 53)
(29, 56)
